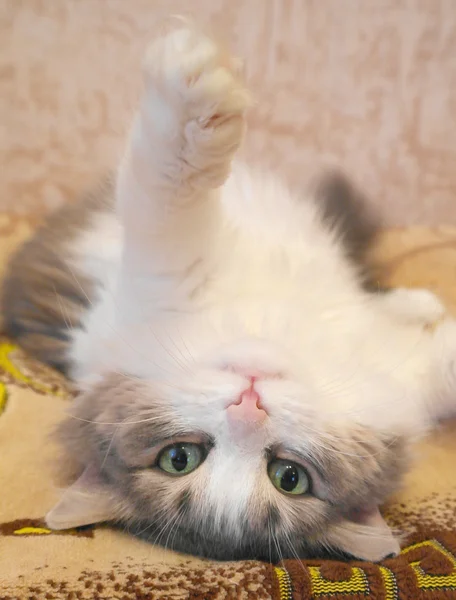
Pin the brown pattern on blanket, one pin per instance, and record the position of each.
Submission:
(101, 563)
(426, 570)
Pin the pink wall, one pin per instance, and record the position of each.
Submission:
(368, 84)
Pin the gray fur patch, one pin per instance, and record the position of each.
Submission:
(345, 210)
(42, 298)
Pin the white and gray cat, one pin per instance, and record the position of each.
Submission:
(244, 393)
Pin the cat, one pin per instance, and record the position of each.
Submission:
(245, 388)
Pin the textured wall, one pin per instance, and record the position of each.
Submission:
(370, 84)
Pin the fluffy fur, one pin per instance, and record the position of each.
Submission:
(191, 271)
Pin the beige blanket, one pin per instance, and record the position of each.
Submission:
(100, 563)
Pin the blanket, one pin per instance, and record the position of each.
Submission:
(101, 563)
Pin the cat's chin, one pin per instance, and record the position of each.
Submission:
(251, 357)
(253, 372)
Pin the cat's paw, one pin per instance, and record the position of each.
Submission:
(415, 305)
(442, 399)
(196, 91)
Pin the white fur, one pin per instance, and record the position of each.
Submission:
(197, 277)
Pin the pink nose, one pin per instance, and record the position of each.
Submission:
(247, 408)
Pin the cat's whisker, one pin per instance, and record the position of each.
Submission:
(161, 382)
(108, 449)
(123, 422)
(161, 518)
(175, 524)
(176, 528)
(269, 538)
(332, 450)
(162, 514)
(278, 549)
(269, 524)
(319, 434)
(186, 363)
(273, 537)
(65, 315)
(387, 442)
(78, 283)
(293, 551)
(337, 385)
(150, 525)
(179, 364)
(192, 358)
(168, 526)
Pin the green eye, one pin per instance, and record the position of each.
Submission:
(288, 477)
(180, 459)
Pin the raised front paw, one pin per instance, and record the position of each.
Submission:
(196, 98)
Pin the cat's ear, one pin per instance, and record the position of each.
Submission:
(88, 500)
(367, 537)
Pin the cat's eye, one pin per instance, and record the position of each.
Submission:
(289, 477)
(181, 458)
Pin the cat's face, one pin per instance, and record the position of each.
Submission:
(229, 463)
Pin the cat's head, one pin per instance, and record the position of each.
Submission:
(230, 462)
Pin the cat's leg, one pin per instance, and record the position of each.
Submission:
(413, 305)
(186, 131)
(423, 312)
(442, 402)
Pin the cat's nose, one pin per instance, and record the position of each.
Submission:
(248, 407)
